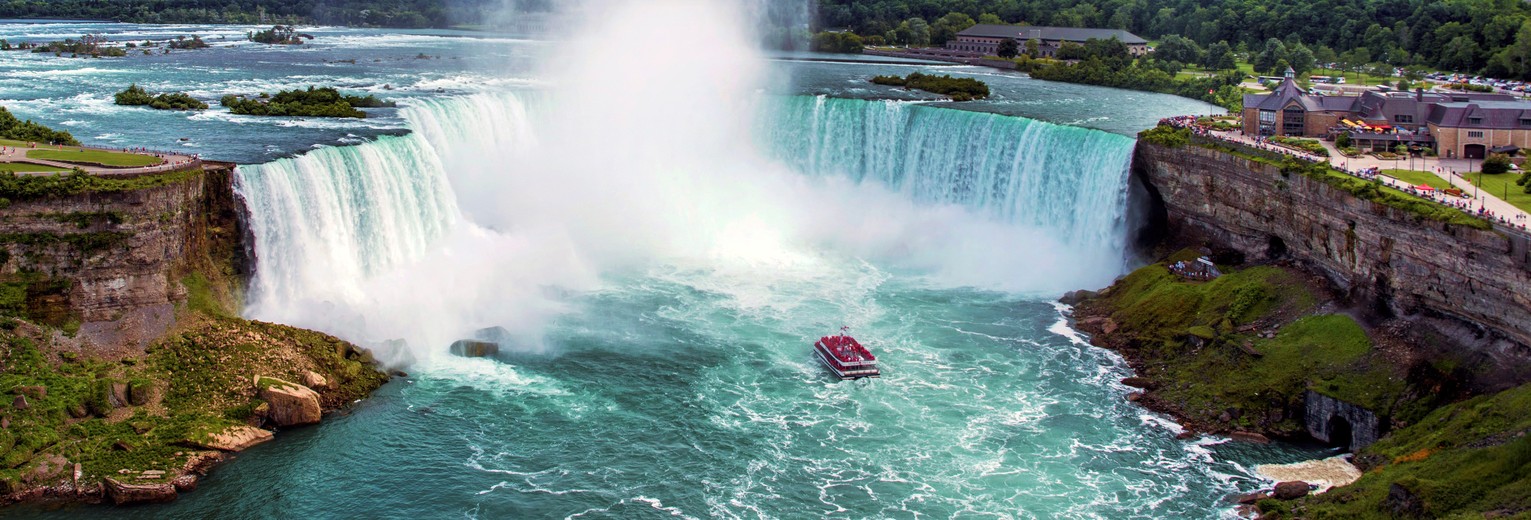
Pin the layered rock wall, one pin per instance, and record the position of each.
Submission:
(113, 262)
(1390, 260)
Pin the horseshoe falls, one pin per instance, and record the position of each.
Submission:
(670, 375)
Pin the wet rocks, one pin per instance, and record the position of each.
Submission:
(312, 379)
(471, 348)
(1249, 437)
(123, 494)
(1138, 382)
(1291, 490)
(1075, 297)
(236, 438)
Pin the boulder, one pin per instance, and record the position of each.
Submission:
(1402, 502)
(259, 415)
(1249, 437)
(472, 348)
(21, 403)
(1135, 396)
(312, 379)
(1075, 297)
(119, 396)
(1138, 382)
(122, 494)
(139, 393)
(1251, 498)
(1291, 490)
(35, 392)
(235, 438)
(292, 404)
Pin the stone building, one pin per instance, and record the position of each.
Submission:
(985, 39)
(1455, 124)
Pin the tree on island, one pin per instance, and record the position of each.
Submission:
(1008, 49)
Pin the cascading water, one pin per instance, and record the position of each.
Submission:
(975, 199)
(1064, 179)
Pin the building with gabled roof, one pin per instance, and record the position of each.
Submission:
(984, 39)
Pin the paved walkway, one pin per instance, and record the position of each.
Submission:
(17, 154)
(1473, 201)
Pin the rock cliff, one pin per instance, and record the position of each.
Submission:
(1473, 285)
(111, 262)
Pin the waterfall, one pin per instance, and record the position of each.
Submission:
(466, 222)
(1065, 179)
(327, 220)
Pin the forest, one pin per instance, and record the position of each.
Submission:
(1492, 37)
(371, 13)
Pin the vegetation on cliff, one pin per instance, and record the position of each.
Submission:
(1240, 351)
(18, 130)
(1466, 460)
(141, 413)
(31, 187)
(1372, 190)
(155, 411)
(314, 102)
(960, 89)
(135, 95)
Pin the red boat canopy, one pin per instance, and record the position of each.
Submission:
(846, 349)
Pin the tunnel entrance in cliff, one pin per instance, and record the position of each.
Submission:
(1341, 432)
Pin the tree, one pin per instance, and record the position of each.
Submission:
(1324, 57)
(1178, 48)
(1009, 49)
(1496, 164)
(990, 19)
(1033, 48)
(913, 31)
(1266, 60)
(1342, 140)
(1219, 56)
(1515, 59)
(1460, 54)
(947, 27)
(1300, 58)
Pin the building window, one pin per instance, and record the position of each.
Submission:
(1474, 120)
(1478, 134)
(1525, 122)
(1292, 121)
(1268, 117)
(1403, 119)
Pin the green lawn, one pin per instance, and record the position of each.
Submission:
(1416, 178)
(114, 159)
(27, 168)
(1503, 186)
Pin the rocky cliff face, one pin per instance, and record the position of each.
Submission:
(1472, 284)
(112, 263)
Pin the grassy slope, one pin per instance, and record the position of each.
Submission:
(1465, 460)
(1417, 177)
(20, 167)
(1162, 317)
(1502, 185)
(104, 158)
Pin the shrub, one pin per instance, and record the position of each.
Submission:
(1496, 164)
(1342, 141)
(960, 89)
(1165, 135)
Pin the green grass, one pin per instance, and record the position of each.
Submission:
(1416, 178)
(1503, 186)
(1190, 336)
(96, 157)
(1460, 461)
(20, 167)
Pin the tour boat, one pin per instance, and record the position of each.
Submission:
(846, 357)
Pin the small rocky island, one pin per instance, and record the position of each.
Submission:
(313, 102)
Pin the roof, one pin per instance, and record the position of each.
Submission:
(1488, 114)
(1070, 34)
(1281, 97)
